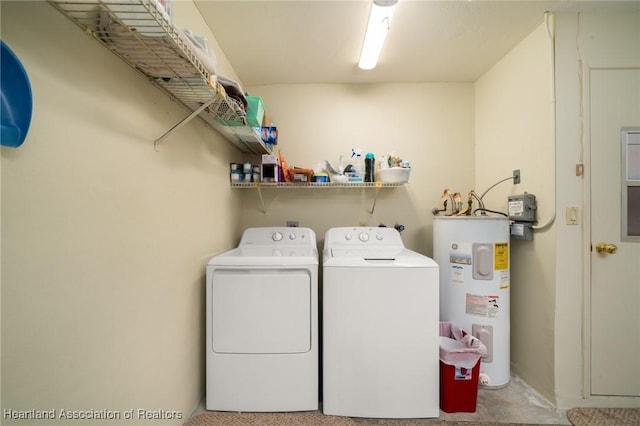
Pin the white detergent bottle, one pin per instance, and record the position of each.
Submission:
(358, 165)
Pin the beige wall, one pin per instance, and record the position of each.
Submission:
(104, 240)
(514, 130)
(431, 125)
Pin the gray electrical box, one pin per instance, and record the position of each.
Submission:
(522, 231)
(522, 213)
(522, 208)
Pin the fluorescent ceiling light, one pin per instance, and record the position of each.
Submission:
(379, 24)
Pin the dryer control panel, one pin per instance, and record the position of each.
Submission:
(278, 236)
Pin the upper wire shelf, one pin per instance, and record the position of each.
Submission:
(298, 185)
(139, 33)
(315, 185)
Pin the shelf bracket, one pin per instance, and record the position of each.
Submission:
(183, 122)
(375, 197)
(263, 209)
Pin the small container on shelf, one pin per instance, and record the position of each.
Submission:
(393, 175)
(321, 177)
(255, 111)
(300, 175)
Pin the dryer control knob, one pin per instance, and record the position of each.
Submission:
(348, 237)
(379, 237)
(277, 236)
(364, 237)
(292, 236)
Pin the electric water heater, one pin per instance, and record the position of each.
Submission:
(473, 255)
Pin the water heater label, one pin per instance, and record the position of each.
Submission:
(504, 280)
(460, 254)
(457, 274)
(482, 306)
(501, 256)
(460, 260)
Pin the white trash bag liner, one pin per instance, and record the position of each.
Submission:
(458, 348)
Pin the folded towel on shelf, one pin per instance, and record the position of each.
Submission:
(234, 91)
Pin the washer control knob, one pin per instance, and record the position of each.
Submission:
(292, 236)
(379, 237)
(348, 236)
(363, 236)
(277, 236)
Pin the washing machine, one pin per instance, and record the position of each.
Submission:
(380, 326)
(262, 323)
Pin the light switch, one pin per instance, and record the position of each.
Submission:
(572, 215)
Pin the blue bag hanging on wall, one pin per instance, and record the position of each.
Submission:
(16, 101)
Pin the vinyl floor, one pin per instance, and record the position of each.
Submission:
(515, 403)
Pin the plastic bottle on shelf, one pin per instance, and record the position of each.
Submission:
(358, 166)
(369, 162)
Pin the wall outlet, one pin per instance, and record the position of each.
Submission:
(516, 176)
(292, 223)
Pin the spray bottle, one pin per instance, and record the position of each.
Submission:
(358, 166)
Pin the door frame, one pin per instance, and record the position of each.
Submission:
(586, 143)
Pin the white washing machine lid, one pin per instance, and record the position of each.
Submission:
(267, 256)
(376, 258)
(370, 247)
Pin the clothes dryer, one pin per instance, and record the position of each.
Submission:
(380, 326)
(262, 323)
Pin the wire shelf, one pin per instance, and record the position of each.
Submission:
(298, 185)
(259, 186)
(139, 33)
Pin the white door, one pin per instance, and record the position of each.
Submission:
(615, 277)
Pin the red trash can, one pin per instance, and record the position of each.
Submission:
(460, 355)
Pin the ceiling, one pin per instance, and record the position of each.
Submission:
(319, 41)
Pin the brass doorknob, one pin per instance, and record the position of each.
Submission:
(606, 248)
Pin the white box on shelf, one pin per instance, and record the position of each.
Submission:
(269, 159)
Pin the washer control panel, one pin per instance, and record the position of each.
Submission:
(363, 237)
